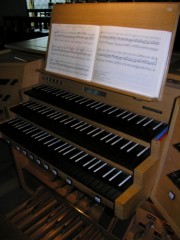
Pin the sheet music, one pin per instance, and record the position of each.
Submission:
(72, 50)
(132, 59)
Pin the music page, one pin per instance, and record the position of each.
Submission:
(132, 59)
(72, 50)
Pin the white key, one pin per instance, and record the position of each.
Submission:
(43, 138)
(99, 168)
(49, 141)
(120, 114)
(77, 154)
(72, 149)
(60, 116)
(80, 158)
(69, 146)
(116, 109)
(107, 141)
(93, 165)
(41, 135)
(124, 181)
(27, 131)
(29, 128)
(26, 103)
(34, 135)
(118, 140)
(72, 98)
(71, 120)
(89, 104)
(17, 123)
(25, 125)
(51, 144)
(140, 153)
(67, 95)
(107, 109)
(51, 114)
(81, 99)
(96, 105)
(43, 111)
(140, 121)
(102, 105)
(60, 94)
(115, 175)
(92, 131)
(88, 126)
(63, 145)
(109, 134)
(55, 115)
(34, 106)
(13, 120)
(110, 171)
(145, 124)
(131, 148)
(96, 134)
(125, 145)
(154, 128)
(56, 91)
(129, 119)
(80, 126)
(74, 125)
(126, 116)
(65, 119)
(90, 161)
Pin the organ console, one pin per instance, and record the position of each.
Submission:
(90, 154)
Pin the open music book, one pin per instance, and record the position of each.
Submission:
(129, 59)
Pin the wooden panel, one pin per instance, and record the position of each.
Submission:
(164, 188)
(148, 15)
(17, 71)
(135, 195)
(148, 225)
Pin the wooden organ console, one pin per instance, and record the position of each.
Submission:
(91, 153)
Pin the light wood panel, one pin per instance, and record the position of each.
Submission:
(163, 185)
(160, 16)
(17, 71)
